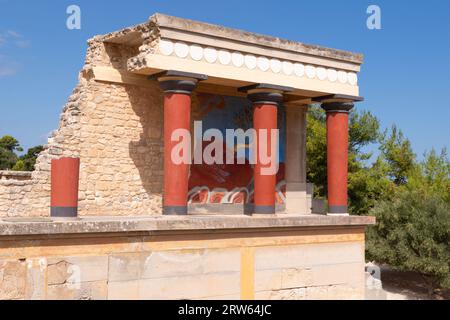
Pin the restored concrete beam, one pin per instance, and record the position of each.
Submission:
(108, 74)
(86, 225)
(310, 81)
(212, 85)
(180, 29)
(236, 58)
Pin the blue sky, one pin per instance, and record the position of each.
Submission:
(405, 78)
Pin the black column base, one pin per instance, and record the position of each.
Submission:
(175, 210)
(264, 209)
(64, 212)
(337, 209)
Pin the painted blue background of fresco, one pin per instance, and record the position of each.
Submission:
(235, 113)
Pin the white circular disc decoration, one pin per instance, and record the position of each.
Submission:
(263, 63)
(342, 76)
(288, 68)
(332, 75)
(237, 59)
(250, 61)
(275, 65)
(299, 69)
(196, 52)
(310, 72)
(166, 47)
(181, 49)
(352, 78)
(210, 55)
(321, 73)
(224, 57)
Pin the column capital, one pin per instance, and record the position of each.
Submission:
(263, 93)
(337, 107)
(172, 81)
(338, 103)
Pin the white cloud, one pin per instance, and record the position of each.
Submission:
(14, 37)
(8, 67)
(22, 43)
(14, 34)
(6, 71)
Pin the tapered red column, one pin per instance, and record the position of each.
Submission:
(64, 187)
(266, 100)
(264, 122)
(177, 87)
(337, 155)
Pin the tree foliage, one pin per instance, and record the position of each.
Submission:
(10, 143)
(29, 159)
(410, 198)
(397, 154)
(9, 160)
(316, 150)
(413, 229)
(8, 157)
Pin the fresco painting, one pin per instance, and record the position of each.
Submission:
(230, 183)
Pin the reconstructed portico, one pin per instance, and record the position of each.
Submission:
(272, 72)
(151, 228)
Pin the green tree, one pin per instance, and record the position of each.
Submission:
(8, 146)
(367, 182)
(432, 175)
(367, 185)
(10, 143)
(397, 153)
(413, 234)
(9, 160)
(29, 159)
(378, 181)
(316, 151)
(410, 199)
(413, 225)
(19, 166)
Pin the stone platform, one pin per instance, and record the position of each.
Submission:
(191, 257)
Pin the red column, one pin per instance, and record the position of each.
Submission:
(264, 117)
(177, 112)
(266, 100)
(64, 187)
(337, 156)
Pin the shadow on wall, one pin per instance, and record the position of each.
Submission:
(147, 104)
(147, 152)
(118, 55)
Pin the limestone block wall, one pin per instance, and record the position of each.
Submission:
(264, 264)
(116, 130)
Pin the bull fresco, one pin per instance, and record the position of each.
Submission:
(230, 183)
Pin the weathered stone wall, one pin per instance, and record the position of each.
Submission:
(116, 130)
(15, 175)
(264, 264)
(121, 165)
